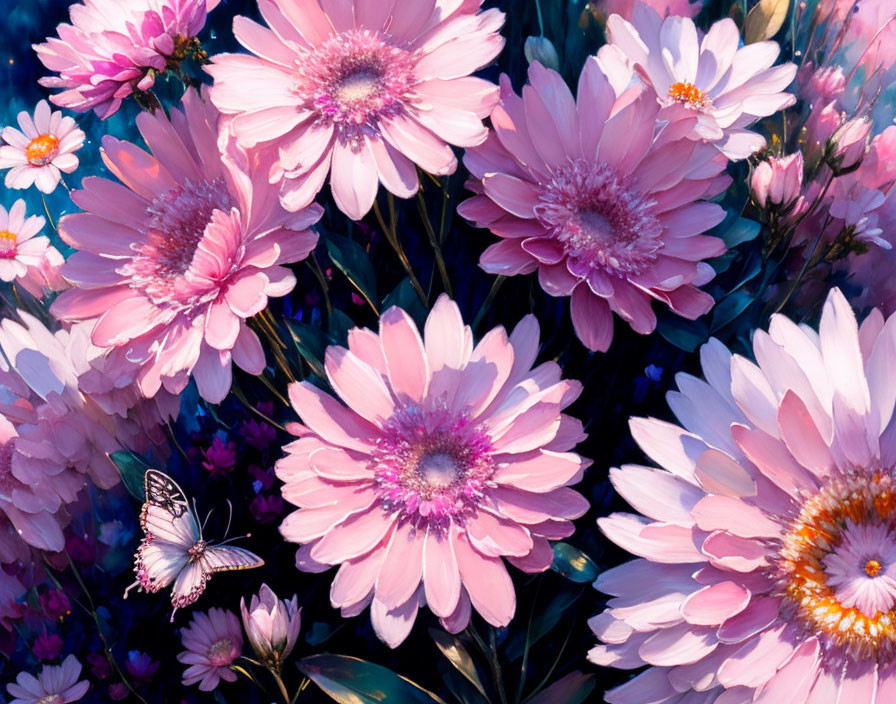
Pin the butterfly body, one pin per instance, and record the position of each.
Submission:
(174, 553)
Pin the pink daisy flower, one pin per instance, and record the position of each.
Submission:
(42, 151)
(173, 261)
(766, 567)
(115, 48)
(20, 249)
(727, 88)
(589, 194)
(362, 90)
(213, 640)
(625, 8)
(56, 684)
(445, 459)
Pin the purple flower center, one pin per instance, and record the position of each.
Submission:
(601, 221)
(176, 222)
(353, 80)
(222, 652)
(50, 699)
(432, 466)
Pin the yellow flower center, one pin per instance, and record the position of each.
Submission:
(816, 533)
(7, 244)
(42, 150)
(688, 94)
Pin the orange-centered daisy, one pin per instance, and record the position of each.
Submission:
(42, 150)
(688, 94)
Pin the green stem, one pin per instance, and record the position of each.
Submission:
(322, 280)
(47, 211)
(489, 300)
(540, 18)
(282, 687)
(392, 237)
(433, 240)
(99, 629)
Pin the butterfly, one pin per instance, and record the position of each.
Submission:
(173, 551)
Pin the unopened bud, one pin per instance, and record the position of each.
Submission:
(542, 50)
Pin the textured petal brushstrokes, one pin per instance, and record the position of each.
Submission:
(213, 640)
(363, 90)
(115, 48)
(173, 260)
(598, 198)
(444, 459)
(766, 564)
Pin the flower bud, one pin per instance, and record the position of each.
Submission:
(849, 143)
(541, 49)
(777, 183)
(272, 625)
(821, 85)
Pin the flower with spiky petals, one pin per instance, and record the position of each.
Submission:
(213, 640)
(598, 199)
(447, 459)
(766, 567)
(42, 151)
(115, 48)
(726, 87)
(20, 248)
(56, 684)
(172, 262)
(360, 89)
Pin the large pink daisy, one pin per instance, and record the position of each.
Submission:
(447, 458)
(767, 548)
(362, 90)
(173, 261)
(726, 87)
(114, 48)
(598, 200)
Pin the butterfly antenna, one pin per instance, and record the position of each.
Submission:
(207, 516)
(229, 517)
(234, 538)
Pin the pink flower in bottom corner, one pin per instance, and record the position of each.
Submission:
(766, 567)
(599, 199)
(213, 640)
(175, 258)
(42, 151)
(56, 684)
(445, 460)
(20, 247)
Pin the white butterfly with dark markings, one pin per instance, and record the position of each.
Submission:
(174, 551)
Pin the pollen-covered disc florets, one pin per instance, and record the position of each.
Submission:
(838, 564)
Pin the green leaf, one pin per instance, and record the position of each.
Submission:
(131, 467)
(543, 621)
(743, 230)
(764, 20)
(729, 308)
(687, 335)
(405, 297)
(573, 564)
(351, 259)
(311, 342)
(351, 680)
(572, 689)
(457, 655)
(338, 326)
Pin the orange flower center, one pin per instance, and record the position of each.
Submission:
(42, 150)
(7, 244)
(688, 94)
(816, 533)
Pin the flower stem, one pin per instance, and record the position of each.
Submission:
(540, 18)
(322, 280)
(488, 301)
(392, 237)
(96, 619)
(433, 240)
(47, 211)
(279, 680)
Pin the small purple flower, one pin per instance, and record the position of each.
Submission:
(262, 479)
(220, 457)
(141, 666)
(55, 604)
(47, 646)
(81, 548)
(118, 691)
(266, 509)
(258, 433)
(99, 665)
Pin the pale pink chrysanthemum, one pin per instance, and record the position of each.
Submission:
(588, 194)
(362, 90)
(213, 640)
(766, 549)
(172, 262)
(445, 459)
(45, 276)
(727, 88)
(20, 248)
(56, 684)
(115, 48)
(42, 151)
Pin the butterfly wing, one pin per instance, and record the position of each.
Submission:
(223, 558)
